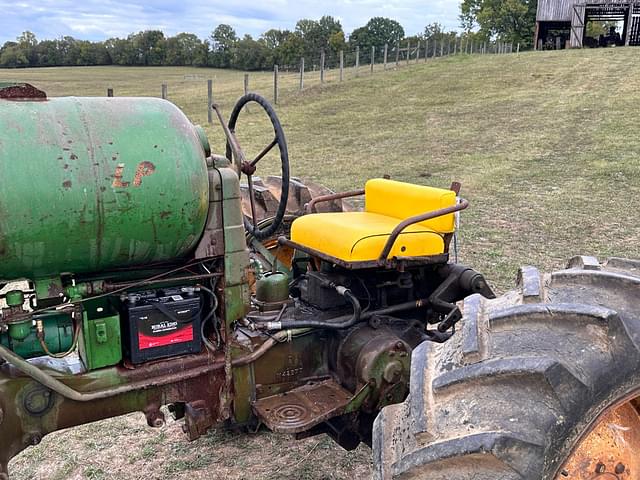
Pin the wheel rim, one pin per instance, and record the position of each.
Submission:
(609, 449)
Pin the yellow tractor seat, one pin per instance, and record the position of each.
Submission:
(361, 236)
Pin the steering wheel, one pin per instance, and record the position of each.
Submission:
(249, 167)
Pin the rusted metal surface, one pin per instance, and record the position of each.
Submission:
(304, 407)
(31, 411)
(610, 449)
(417, 219)
(311, 207)
(17, 91)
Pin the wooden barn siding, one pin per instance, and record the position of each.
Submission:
(555, 10)
(560, 10)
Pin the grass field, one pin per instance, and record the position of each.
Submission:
(546, 145)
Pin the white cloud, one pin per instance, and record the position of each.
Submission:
(100, 19)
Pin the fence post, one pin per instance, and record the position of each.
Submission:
(397, 54)
(357, 59)
(455, 46)
(109, 92)
(209, 101)
(322, 66)
(518, 49)
(341, 65)
(426, 49)
(302, 73)
(448, 46)
(164, 91)
(442, 48)
(418, 52)
(435, 48)
(373, 57)
(386, 51)
(275, 84)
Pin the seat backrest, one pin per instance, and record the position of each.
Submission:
(403, 200)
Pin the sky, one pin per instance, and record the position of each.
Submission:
(101, 19)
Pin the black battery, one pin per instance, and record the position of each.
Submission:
(161, 324)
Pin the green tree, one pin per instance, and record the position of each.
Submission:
(377, 32)
(223, 41)
(250, 54)
(12, 55)
(184, 49)
(509, 20)
(275, 40)
(315, 35)
(292, 49)
(149, 47)
(337, 41)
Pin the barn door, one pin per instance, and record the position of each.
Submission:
(577, 25)
(633, 35)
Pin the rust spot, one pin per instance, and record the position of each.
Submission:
(66, 165)
(144, 170)
(21, 91)
(103, 188)
(73, 156)
(66, 184)
(60, 157)
(117, 177)
(114, 158)
(164, 214)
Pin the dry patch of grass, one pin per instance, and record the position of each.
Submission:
(547, 147)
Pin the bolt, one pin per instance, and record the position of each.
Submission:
(620, 468)
(564, 473)
(392, 372)
(400, 346)
(601, 467)
(35, 439)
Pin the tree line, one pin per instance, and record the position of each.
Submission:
(481, 20)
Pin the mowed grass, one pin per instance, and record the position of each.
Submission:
(546, 145)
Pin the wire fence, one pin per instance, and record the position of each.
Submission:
(339, 66)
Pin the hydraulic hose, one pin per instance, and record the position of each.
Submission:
(340, 323)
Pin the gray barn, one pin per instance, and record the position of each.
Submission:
(563, 23)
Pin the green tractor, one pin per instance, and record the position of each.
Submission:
(138, 270)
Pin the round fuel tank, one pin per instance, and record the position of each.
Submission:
(92, 184)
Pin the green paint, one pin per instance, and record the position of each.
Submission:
(96, 183)
(236, 258)
(100, 345)
(20, 330)
(58, 335)
(14, 298)
(272, 287)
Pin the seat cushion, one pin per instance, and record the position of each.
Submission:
(403, 200)
(361, 236)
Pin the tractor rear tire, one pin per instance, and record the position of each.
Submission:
(522, 382)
